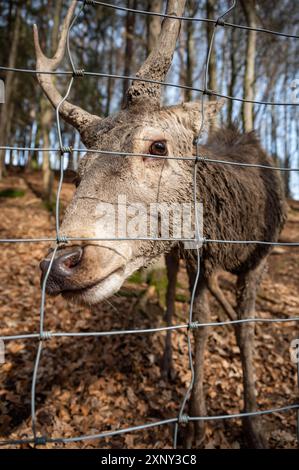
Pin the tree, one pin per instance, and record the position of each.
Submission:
(249, 8)
(113, 42)
(129, 37)
(46, 117)
(6, 109)
(233, 70)
(212, 70)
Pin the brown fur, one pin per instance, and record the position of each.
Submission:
(240, 203)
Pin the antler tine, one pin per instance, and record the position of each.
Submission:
(158, 62)
(74, 115)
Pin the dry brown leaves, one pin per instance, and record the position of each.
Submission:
(89, 385)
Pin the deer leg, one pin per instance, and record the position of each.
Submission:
(196, 429)
(172, 268)
(220, 297)
(247, 285)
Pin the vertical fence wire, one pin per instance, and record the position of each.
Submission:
(43, 335)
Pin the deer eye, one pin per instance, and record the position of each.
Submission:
(158, 148)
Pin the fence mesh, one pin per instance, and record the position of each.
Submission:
(43, 336)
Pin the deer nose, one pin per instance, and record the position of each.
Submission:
(62, 270)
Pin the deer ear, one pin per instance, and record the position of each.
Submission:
(192, 114)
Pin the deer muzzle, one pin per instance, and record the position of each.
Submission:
(79, 270)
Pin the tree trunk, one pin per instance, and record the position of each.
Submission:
(233, 72)
(212, 69)
(31, 138)
(274, 151)
(286, 160)
(189, 56)
(130, 28)
(46, 119)
(249, 76)
(9, 118)
(36, 143)
(182, 61)
(46, 124)
(110, 81)
(4, 114)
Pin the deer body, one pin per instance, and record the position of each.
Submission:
(238, 203)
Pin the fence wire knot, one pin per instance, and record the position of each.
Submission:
(199, 158)
(207, 92)
(45, 335)
(183, 419)
(179, 418)
(78, 73)
(66, 149)
(40, 441)
(61, 239)
(219, 22)
(193, 325)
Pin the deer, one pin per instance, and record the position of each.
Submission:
(239, 203)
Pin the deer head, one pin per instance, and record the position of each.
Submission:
(89, 271)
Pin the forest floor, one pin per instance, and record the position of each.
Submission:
(91, 385)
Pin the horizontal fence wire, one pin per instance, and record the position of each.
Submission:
(68, 150)
(194, 325)
(156, 239)
(43, 440)
(205, 91)
(217, 22)
(44, 335)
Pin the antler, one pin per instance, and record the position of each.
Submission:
(158, 62)
(74, 115)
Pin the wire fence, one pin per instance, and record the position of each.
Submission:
(42, 336)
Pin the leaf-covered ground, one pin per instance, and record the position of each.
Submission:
(90, 385)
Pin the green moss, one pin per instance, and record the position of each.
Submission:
(158, 279)
(136, 278)
(12, 193)
(35, 166)
(50, 206)
(181, 298)
(129, 293)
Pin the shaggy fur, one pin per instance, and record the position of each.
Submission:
(240, 203)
